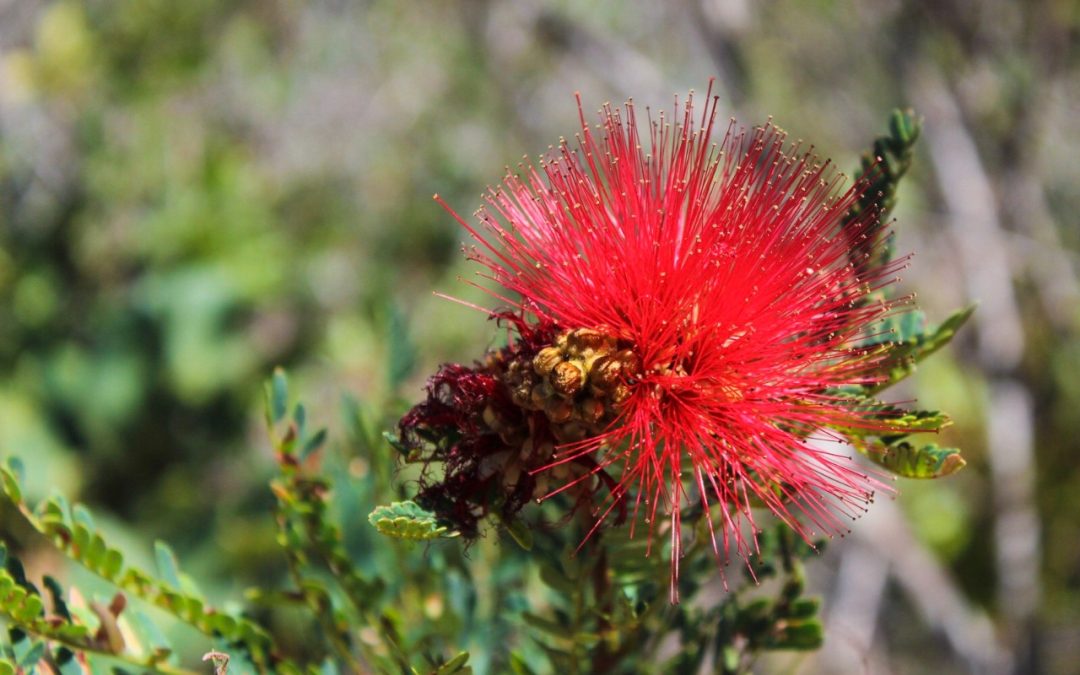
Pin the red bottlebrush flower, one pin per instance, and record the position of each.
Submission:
(710, 295)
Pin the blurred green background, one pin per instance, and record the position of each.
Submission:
(192, 192)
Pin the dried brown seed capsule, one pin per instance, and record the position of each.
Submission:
(605, 373)
(572, 431)
(631, 362)
(521, 394)
(559, 410)
(591, 410)
(567, 378)
(585, 339)
(546, 360)
(540, 395)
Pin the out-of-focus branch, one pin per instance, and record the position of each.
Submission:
(722, 24)
(1023, 198)
(1051, 267)
(625, 68)
(943, 606)
(861, 581)
(511, 34)
(981, 247)
(974, 223)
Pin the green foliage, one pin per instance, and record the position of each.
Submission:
(881, 170)
(458, 664)
(906, 340)
(910, 461)
(611, 610)
(171, 259)
(407, 520)
(71, 530)
(340, 598)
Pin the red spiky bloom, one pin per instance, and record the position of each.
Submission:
(719, 294)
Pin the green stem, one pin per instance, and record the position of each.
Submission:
(148, 589)
(320, 604)
(42, 633)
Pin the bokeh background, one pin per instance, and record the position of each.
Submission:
(192, 192)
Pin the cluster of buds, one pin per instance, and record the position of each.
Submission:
(578, 382)
(485, 432)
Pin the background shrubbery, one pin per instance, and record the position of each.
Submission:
(192, 192)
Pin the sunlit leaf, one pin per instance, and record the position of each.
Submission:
(910, 461)
(408, 520)
(167, 566)
(904, 354)
(278, 395)
(454, 665)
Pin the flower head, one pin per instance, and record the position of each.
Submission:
(691, 309)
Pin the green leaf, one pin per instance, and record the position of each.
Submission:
(112, 564)
(395, 443)
(730, 657)
(32, 608)
(80, 514)
(300, 419)
(906, 327)
(904, 126)
(520, 533)
(95, 552)
(548, 626)
(909, 461)
(904, 353)
(454, 665)
(56, 595)
(80, 541)
(556, 580)
(313, 443)
(15, 569)
(155, 645)
(799, 635)
(901, 421)
(167, 567)
(53, 513)
(277, 395)
(7, 667)
(222, 623)
(519, 666)
(27, 650)
(881, 169)
(402, 357)
(408, 520)
(67, 663)
(804, 608)
(11, 481)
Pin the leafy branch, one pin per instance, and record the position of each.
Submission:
(881, 169)
(305, 533)
(71, 530)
